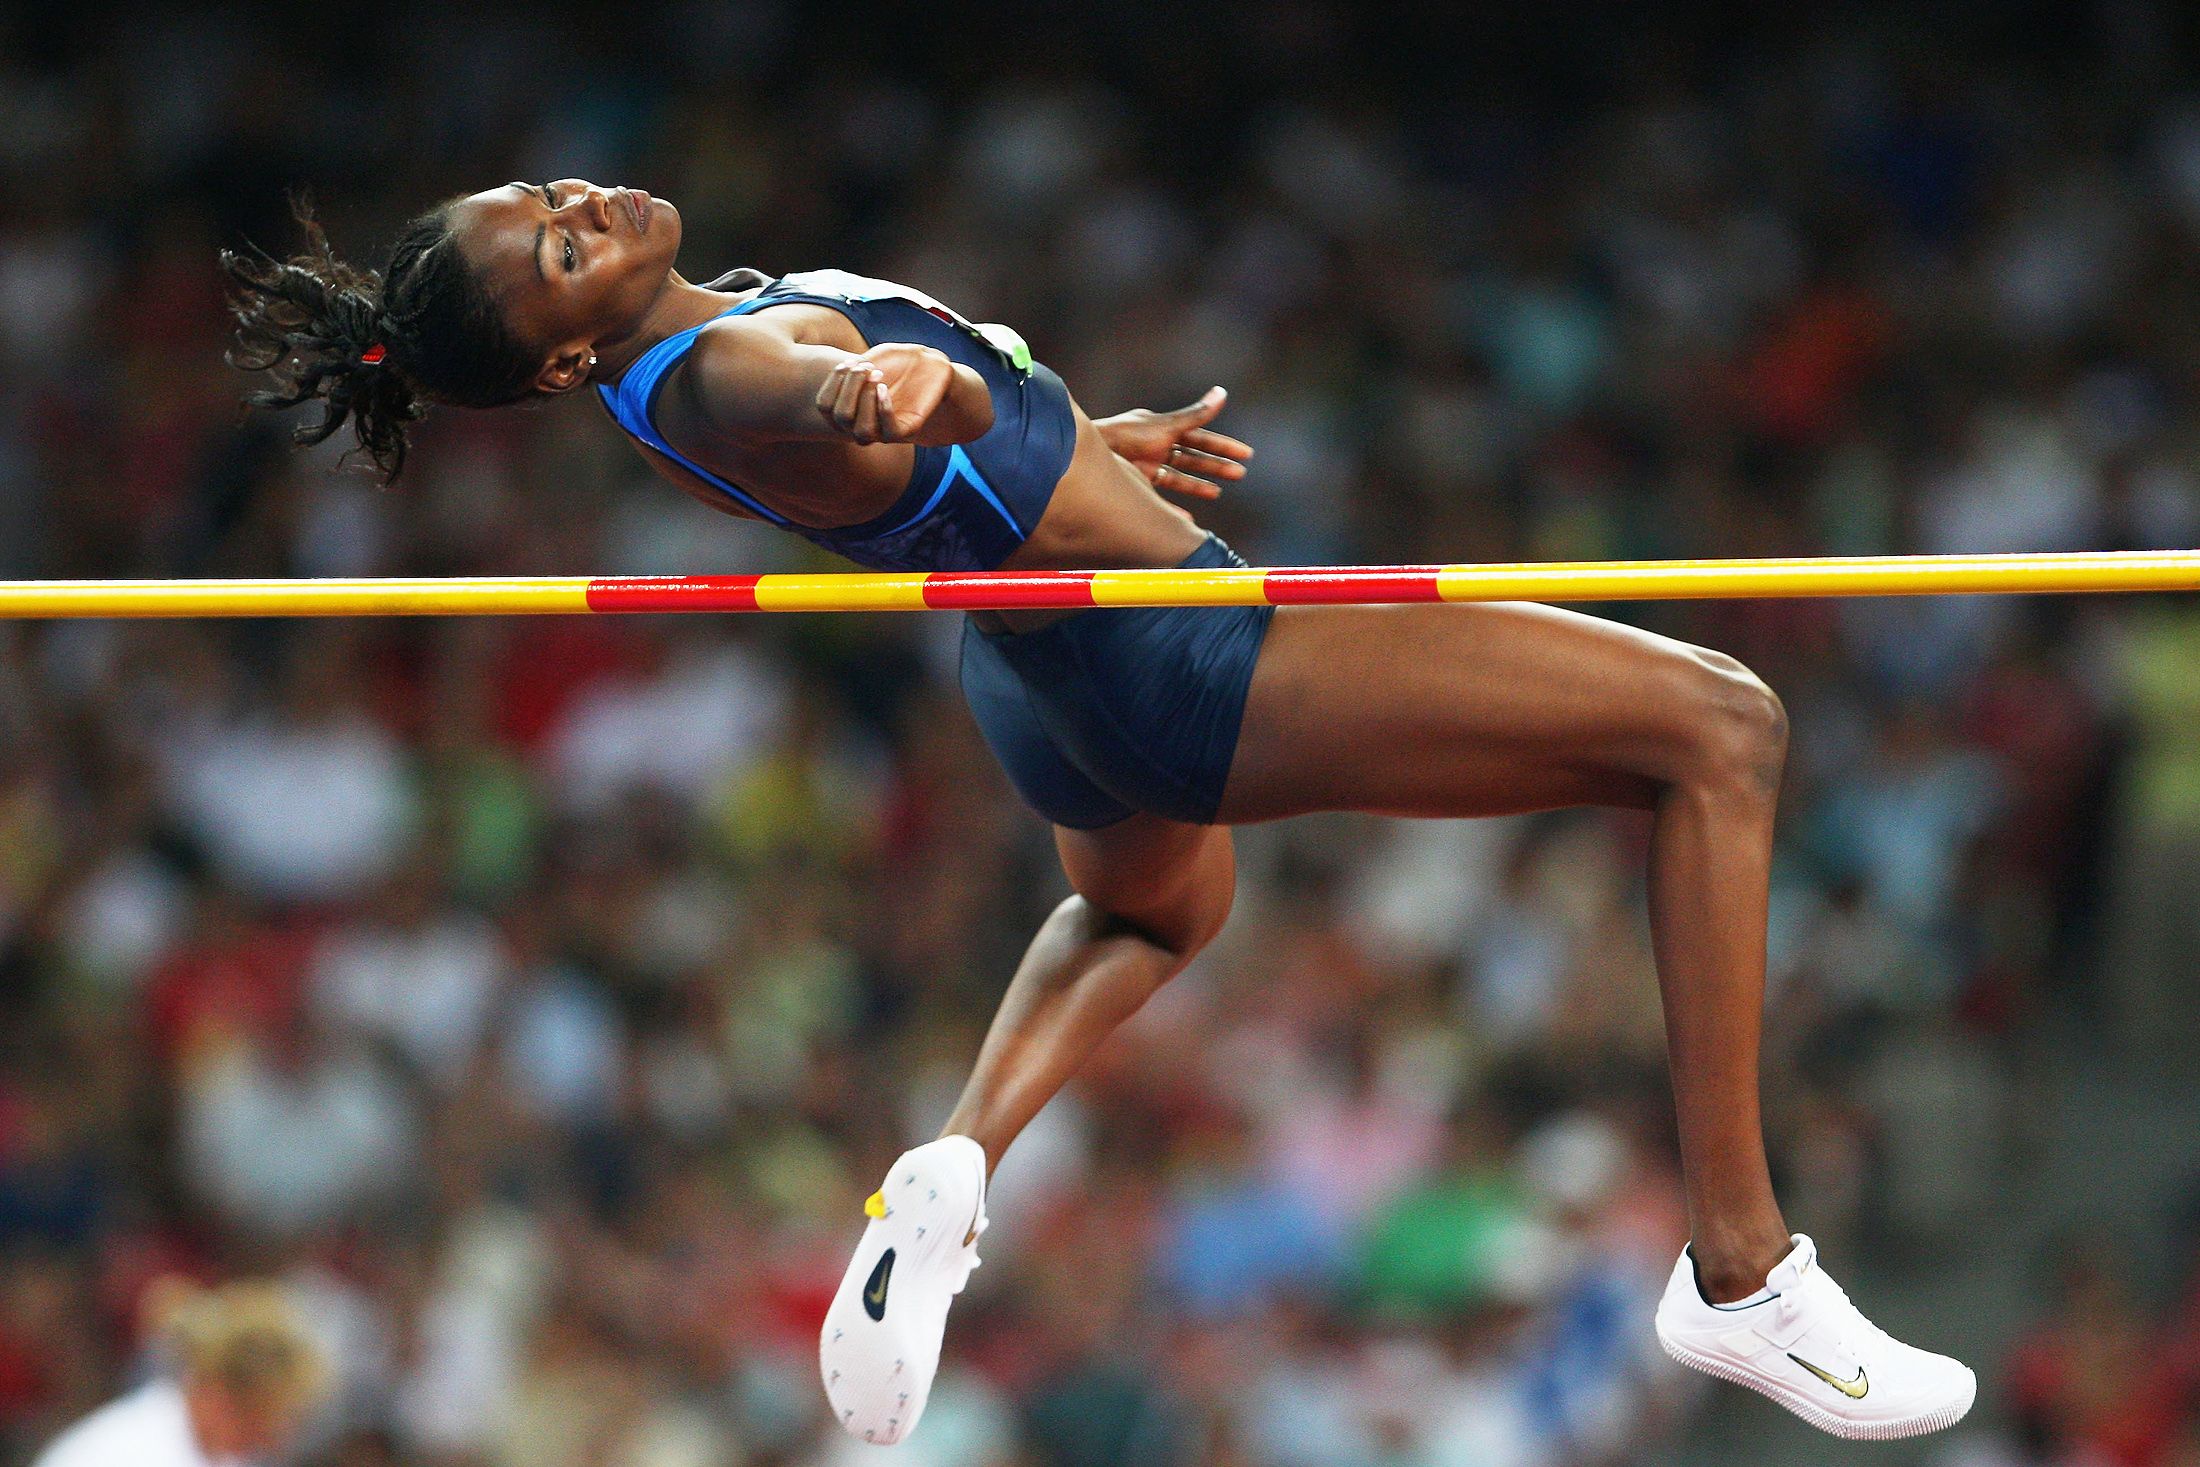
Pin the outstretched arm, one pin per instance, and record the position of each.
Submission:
(755, 382)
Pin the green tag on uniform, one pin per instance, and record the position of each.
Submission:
(1005, 341)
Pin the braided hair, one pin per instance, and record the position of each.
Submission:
(374, 347)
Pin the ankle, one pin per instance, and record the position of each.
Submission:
(1730, 1270)
(989, 1142)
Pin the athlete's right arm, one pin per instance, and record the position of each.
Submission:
(749, 380)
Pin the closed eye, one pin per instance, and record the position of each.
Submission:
(572, 256)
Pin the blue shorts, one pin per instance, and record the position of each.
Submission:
(1105, 713)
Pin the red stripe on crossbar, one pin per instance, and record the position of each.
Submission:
(1317, 586)
(1020, 590)
(672, 593)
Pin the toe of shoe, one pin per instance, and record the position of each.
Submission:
(868, 1421)
(875, 1399)
(1950, 1385)
(1938, 1393)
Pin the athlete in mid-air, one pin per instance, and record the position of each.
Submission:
(873, 421)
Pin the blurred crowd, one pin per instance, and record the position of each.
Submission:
(540, 999)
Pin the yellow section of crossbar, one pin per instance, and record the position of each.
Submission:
(1868, 575)
(488, 596)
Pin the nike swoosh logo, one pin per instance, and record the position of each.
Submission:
(1854, 1389)
(874, 1291)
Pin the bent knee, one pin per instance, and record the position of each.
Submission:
(1174, 936)
(1180, 913)
(1205, 909)
(1187, 918)
(1735, 727)
(1171, 883)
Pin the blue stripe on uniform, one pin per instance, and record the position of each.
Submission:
(958, 462)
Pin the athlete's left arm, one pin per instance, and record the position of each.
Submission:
(750, 378)
(1178, 451)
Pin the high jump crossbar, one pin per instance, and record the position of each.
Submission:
(1559, 581)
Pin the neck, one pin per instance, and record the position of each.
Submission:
(681, 304)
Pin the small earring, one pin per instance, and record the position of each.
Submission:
(591, 361)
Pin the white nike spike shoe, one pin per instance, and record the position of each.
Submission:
(881, 1344)
(1808, 1348)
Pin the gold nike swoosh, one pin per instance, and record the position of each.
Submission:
(1853, 1389)
(878, 1295)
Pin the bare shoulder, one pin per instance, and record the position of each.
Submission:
(736, 364)
(733, 342)
(736, 339)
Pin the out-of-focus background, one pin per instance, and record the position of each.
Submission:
(542, 998)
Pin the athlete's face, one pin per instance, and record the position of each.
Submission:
(574, 266)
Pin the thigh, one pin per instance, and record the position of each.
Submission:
(1462, 710)
(1165, 877)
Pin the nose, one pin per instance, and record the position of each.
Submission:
(592, 203)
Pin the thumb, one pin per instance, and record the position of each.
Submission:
(1202, 411)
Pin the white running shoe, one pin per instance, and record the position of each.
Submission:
(1811, 1350)
(881, 1344)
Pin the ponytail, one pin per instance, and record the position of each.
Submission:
(373, 348)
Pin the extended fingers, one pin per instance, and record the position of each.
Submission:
(1173, 480)
(1220, 445)
(1187, 458)
(1175, 474)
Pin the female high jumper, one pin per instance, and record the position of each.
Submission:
(871, 420)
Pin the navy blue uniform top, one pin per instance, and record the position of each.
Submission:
(967, 506)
